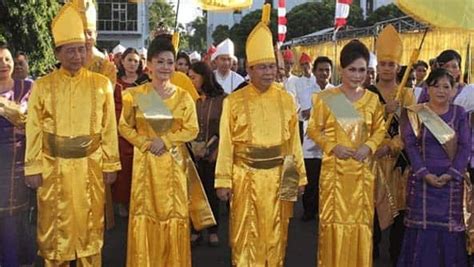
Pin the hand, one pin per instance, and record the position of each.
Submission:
(301, 190)
(382, 151)
(445, 178)
(343, 152)
(305, 114)
(34, 181)
(362, 153)
(224, 194)
(157, 147)
(434, 180)
(392, 106)
(110, 177)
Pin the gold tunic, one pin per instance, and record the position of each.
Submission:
(100, 64)
(346, 193)
(71, 199)
(158, 231)
(258, 220)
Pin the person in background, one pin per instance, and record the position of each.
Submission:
(22, 68)
(347, 123)
(322, 70)
(222, 58)
(14, 194)
(183, 62)
(306, 82)
(205, 147)
(117, 54)
(370, 79)
(143, 58)
(421, 70)
(438, 143)
(194, 57)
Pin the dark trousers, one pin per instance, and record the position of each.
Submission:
(207, 171)
(311, 191)
(9, 241)
(301, 130)
(396, 237)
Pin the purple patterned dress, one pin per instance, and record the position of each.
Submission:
(435, 234)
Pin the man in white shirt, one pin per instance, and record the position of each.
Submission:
(303, 87)
(322, 70)
(222, 58)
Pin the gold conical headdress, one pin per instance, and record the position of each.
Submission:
(88, 13)
(67, 26)
(389, 46)
(259, 47)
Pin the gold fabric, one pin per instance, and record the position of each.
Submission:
(182, 80)
(67, 27)
(224, 5)
(100, 64)
(90, 261)
(70, 147)
(71, 199)
(158, 231)
(346, 193)
(259, 46)
(12, 111)
(155, 111)
(259, 219)
(88, 13)
(389, 45)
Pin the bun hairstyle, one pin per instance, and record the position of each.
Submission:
(448, 55)
(353, 51)
(437, 74)
(161, 43)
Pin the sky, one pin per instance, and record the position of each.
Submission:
(188, 10)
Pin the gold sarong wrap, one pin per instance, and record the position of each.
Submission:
(422, 114)
(73, 147)
(271, 157)
(161, 120)
(12, 112)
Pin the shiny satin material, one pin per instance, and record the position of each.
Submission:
(155, 111)
(100, 64)
(12, 112)
(71, 198)
(70, 147)
(158, 230)
(258, 218)
(346, 186)
(289, 179)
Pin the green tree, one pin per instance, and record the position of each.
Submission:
(239, 32)
(221, 33)
(161, 12)
(387, 12)
(197, 36)
(25, 25)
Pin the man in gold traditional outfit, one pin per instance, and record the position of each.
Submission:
(260, 162)
(391, 163)
(71, 150)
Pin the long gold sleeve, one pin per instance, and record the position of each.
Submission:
(377, 131)
(110, 151)
(317, 130)
(127, 124)
(225, 156)
(295, 146)
(34, 133)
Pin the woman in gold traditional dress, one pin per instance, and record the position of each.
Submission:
(158, 118)
(347, 123)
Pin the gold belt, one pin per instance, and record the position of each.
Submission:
(70, 147)
(259, 157)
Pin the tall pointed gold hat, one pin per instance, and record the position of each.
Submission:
(259, 47)
(67, 26)
(389, 46)
(88, 13)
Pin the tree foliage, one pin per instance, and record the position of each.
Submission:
(197, 36)
(221, 33)
(387, 12)
(25, 25)
(161, 12)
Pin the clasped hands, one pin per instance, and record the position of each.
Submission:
(437, 181)
(343, 152)
(157, 147)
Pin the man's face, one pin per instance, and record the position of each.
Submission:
(323, 72)
(21, 68)
(306, 67)
(72, 56)
(288, 66)
(262, 75)
(91, 36)
(370, 78)
(387, 70)
(223, 63)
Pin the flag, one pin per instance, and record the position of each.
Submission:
(342, 12)
(281, 21)
(224, 5)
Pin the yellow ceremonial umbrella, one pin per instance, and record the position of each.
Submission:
(224, 5)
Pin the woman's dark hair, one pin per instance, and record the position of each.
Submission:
(210, 86)
(437, 74)
(185, 56)
(3, 45)
(353, 51)
(448, 55)
(161, 43)
(121, 69)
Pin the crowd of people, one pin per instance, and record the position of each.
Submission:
(163, 138)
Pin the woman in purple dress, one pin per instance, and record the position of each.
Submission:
(15, 248)
(437, 139)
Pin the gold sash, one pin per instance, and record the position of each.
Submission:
(346, 116)
(445, 135)
(70, 147)
(160, 118)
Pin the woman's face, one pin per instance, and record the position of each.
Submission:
(162, 66)
(441, 93)
(196, 79)
(6, 64)
(182, 65)
(453, 67)
(354, 74)
(131, 62)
